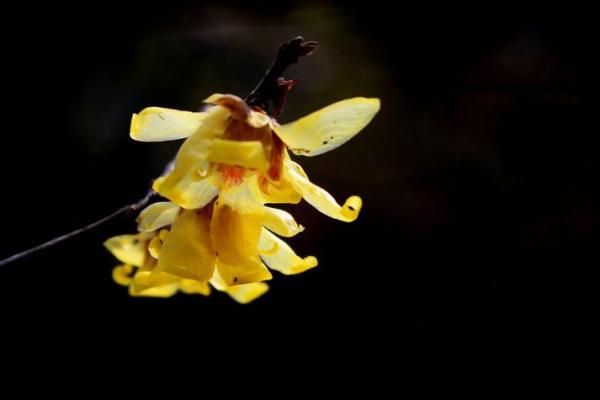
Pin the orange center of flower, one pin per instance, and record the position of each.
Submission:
(232, 175)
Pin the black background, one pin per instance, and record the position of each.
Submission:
(479, 175)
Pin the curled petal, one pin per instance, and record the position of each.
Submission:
(319, 198)
(129, 249)
(328, 128)
(157, 215)
(248, 154)
(156, 124)
(281, 222)
(122, 274)
(280, 257)
(187, 251)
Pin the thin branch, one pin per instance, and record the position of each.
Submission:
(271, 90)
(123, 211)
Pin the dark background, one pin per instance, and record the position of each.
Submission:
(480, 175)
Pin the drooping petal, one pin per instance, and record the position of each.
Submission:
(319, 198)
(156, 124)
(190, 286)
(281, 222)
(153, 284)
(235, 239)
(280, 257)
(157, 215)
(243, 294)
(187, 251)
(239, 109)
(248, 154)
(244, 198)
(328, 128)
(129, 249)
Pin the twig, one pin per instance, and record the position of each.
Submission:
(271, 90)
(129, 209)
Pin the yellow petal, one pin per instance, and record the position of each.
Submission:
(129, 249)
(319, 198)
(283, 258)
(122, 274)
(239, 109)
(278, 192)
(245, 198)
(187, 250)
(188, 192)
(235, 239)
(154, 246)
(157, 215)
(241, 293)
(244, 294)
(329, 127)
(248, 154)
(153, 284)
(187, 184)
(190, 286)
(281, 222)
(156, 124)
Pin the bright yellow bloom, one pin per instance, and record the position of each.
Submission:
(216, 228)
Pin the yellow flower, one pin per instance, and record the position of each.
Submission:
(216, 228)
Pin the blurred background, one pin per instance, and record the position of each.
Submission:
(479, 175)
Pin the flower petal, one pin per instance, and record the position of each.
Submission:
(187, 185)
(157, 215)
(153, 284)
(190, 192)
(122, 274)
(235, 239)
(129, 249)
(328, 128)
(156, 124)
(278, 192)
(248, 154)
(187, 250)
(319, 198)
(245, 198)
(243, 294)
(280, 257)
(190, 286)
(281, 222)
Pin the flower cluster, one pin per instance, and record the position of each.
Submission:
(216, 230)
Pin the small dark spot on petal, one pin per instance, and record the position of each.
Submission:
(136, 241)
(351, 208)
(325, 142)
(235, 279)
(217, 253)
